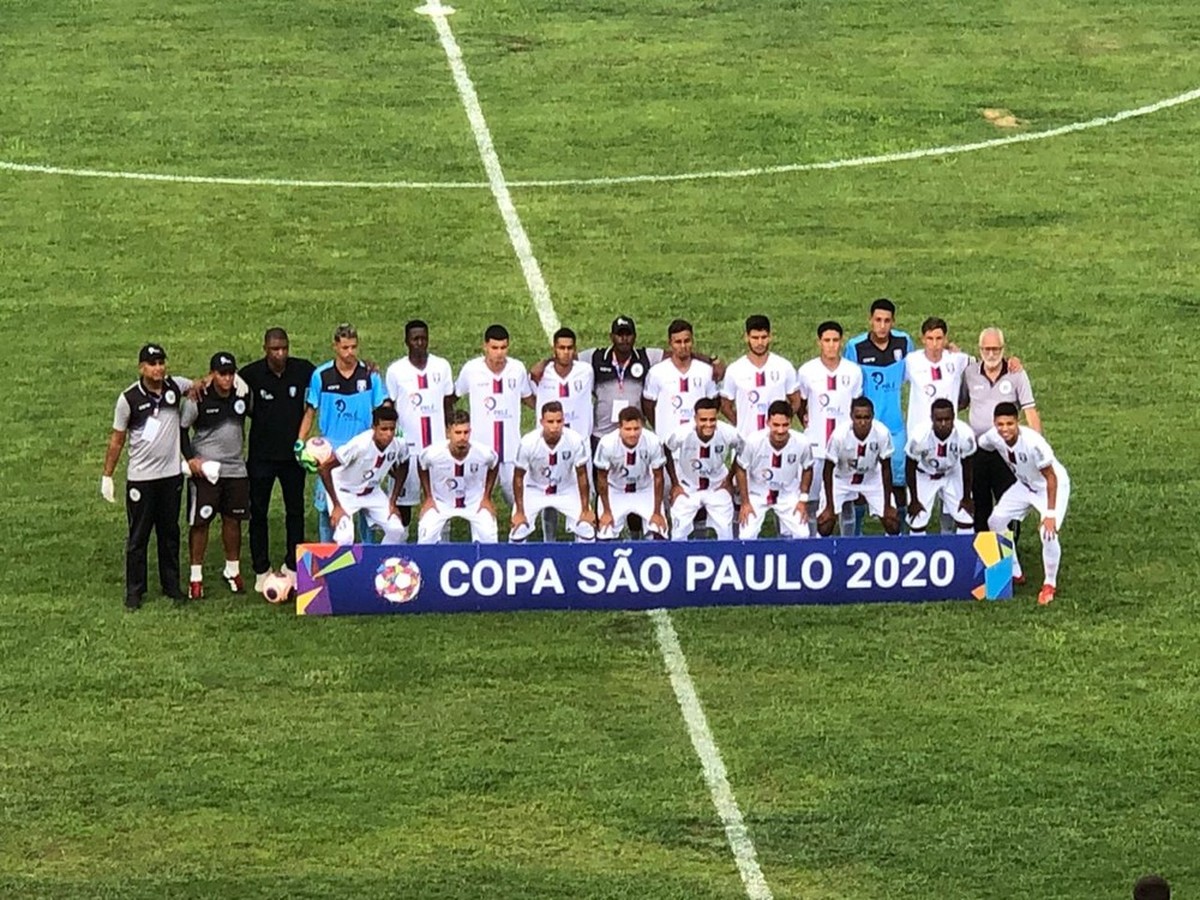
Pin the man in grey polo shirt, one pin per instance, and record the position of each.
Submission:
(147, 415)
(984, 385)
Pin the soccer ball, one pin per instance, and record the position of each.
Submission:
(316, 451)
(397, 580)
(276, 587)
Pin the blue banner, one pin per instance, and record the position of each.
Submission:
(405, 578)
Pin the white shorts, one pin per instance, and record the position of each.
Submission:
(568, 504)
(623, 506)
(483, 524)
(949, 488)
(784, 507)
(1019, 499)
(870, 489)
(375, 506)
(718, 503)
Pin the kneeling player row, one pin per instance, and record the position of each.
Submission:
(707, 462)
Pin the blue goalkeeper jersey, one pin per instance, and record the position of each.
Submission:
(883, 376)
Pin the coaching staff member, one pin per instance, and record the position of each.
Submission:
(147, 414)
(277, 382)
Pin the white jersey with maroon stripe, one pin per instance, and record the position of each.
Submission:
(752, 389)
(573, 391)
(701, 465)
(419, 396)
(1026, 457)
(828, 393)
(494, 399)
(774, 472)
(930, 381)
(855, 460)
(630, 469)
(458, 483)
(937, 457)
(364, 465)
(674, 392)
(552, 470)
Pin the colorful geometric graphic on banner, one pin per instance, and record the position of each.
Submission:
(400, 578)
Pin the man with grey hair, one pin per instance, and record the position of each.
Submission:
(342, 395)
(994, 380)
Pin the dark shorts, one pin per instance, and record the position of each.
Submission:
(229, 496)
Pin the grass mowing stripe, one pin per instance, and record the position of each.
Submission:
(668, 641)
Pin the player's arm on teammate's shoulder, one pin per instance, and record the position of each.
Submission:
(538, 369)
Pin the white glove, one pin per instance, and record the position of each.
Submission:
(211, 469)
(240, 388)
(107, 490)
(185, 469)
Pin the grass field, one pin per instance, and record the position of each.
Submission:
(950, 750)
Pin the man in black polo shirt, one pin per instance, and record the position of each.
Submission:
(277, 382)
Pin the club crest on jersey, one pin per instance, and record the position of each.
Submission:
(1005, 387)
(1022, 457)
(897, 354)
(169, 396)
(774, 376)
(566, 454)
(791, 458)
(873, 445)
(239, 406)
(578, 384)
(719, 449)
(474, 468)
(637, 370)
(845, 381)
(291, 392)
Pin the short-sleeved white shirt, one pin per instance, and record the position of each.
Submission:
(630, 469)
(929, 381)
(938, 457)
(553, 470)
(828, 394)
(364, 465)
(752, 389)
(573, 391)
(458, 483)
(419, 396)
(674, 392)
(1026, 458)
(701, 465)
(494, 399)
(854, 459)
(769, 468)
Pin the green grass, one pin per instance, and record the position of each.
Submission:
(954, 750)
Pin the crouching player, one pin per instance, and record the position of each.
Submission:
(939, 463)
(1042, 484)
(857, 464)
(774, 471)
(457, 478)
(353, 474)
(696, 461)
(551, 473)
(629, 477)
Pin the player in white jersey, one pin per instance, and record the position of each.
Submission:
(674, 385)
(352, 478)
(457, 479)
(496, 387)
(932, 373)
(568, 382)
(552, 473)
(827, 384)
(940, 463)
(1042, 484)
(421, 387)
(697, 456)
(857, 464)
(774, 471)
(754, 381)
(629, 477)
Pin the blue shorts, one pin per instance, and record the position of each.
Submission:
(899, 441)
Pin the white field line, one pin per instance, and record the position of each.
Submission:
(668, 641)
(617, 180)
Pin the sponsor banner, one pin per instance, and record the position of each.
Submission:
(404, 578)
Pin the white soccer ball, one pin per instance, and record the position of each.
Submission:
(276, 587)
(397, 580)
(316, 451)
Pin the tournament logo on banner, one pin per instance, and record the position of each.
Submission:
(403, 578)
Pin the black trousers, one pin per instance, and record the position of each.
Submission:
(992, 478)
(263, 475)
(152, 506)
